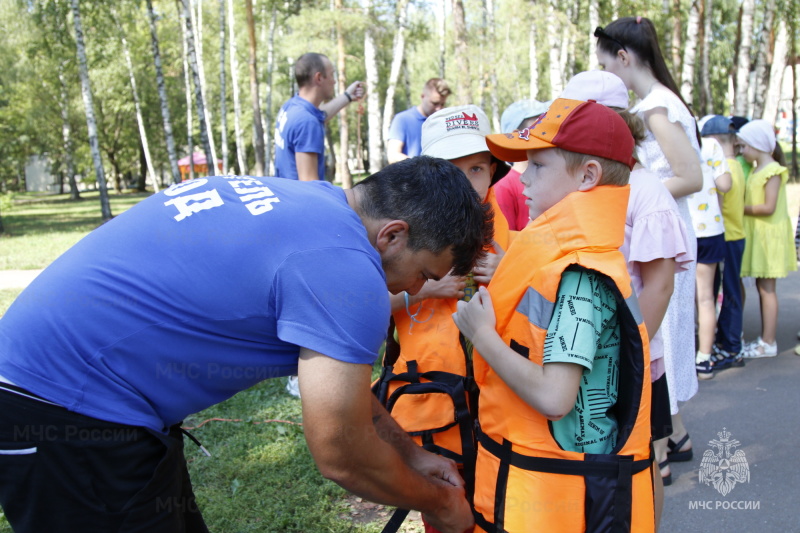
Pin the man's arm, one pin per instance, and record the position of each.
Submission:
(394, 151)
(360, 448)
(307, 169)
(337, 103)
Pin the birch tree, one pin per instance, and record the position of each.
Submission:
(258, 131)
(197, 38)
(706, 104)
(492, 46)
(777, 70)
(66, 133)
(533, 59)
(762, 69)
(91, 122)
(344, 132)
(237, 107)
(223, 95)
(441, 30)
(188, 92)
(270, 67)
(373, 103)
(554, 72)
(162, 95)
(135, 95)
(463, 79)
(689, 52)
(198, 94)
(398, 51)
(594, 21)
(743, 57)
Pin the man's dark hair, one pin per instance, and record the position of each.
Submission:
(439, 204)
(308, 65)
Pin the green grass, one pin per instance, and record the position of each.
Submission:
(260, 477)
(40, 227)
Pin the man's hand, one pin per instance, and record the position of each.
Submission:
(356, 90)
(486, 267)
(446, 288)
(454, 518)
(435, 466)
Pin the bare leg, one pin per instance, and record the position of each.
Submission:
(769, 308)
(706, 311)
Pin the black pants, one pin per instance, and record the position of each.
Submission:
(65, 472)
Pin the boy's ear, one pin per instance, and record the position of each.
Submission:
(591, 174)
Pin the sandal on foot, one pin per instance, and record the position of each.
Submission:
(675, 454)
(666, 480)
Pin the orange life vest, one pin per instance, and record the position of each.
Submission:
(524, 481)
(429, 389)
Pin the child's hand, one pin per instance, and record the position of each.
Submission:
(449, 287)
(486, 267)
(476, 317)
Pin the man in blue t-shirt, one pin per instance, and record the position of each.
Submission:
(405, 133)
(202, 291)
(300, 127)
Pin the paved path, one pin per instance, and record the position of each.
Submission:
(16, 279)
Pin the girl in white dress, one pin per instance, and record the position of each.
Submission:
(628, 47)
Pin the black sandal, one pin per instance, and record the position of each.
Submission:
(666, 480)
(674, 454)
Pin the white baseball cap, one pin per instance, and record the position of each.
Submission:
(459, 131)
(599, 85)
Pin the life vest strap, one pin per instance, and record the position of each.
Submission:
(560, 466)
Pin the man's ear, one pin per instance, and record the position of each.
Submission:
(591, 174)
(392, 237)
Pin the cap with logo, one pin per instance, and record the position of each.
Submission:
(459, 131)
(582, 127)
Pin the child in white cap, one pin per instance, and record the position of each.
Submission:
(426, 382)
(769, 248)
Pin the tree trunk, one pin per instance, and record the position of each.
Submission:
(675, 42)
(162, 95)
(743, 59)
(762, 60)
(197, 29)
(343, 170)
(66, 134)
(441, 28)
(91, 123)
(492, 46)
(706, 102)
(554, 73)
(689, 52)
(237, 107)
(463, 79)
(273, 21)
(533, 59)
(594, 21)
(188, 90)
(198, 92)
(398, 50)
(258, 131)
(223, 94)
(373, 100)
(773, 91)
(135, 95)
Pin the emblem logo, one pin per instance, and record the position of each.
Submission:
(724, 468)
(462, 121)
(524, 134)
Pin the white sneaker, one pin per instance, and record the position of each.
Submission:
(758, 348)
(292, 386)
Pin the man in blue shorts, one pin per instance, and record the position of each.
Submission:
(202, 291)
(405, 133)
(300, 127)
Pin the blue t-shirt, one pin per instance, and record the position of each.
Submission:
(300, 127)
(195, 294)
(407, 127)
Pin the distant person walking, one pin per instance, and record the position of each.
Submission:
(405, 133)
(300, 127)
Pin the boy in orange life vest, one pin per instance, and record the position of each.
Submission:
(561, 353)
(426, 386)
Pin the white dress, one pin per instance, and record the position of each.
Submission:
(678, 326)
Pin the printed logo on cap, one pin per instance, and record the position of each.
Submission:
(462, 121)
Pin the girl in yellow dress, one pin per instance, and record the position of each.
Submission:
(769, 246)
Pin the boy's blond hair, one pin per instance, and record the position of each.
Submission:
(614, 172)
